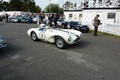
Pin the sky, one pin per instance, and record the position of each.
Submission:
(44, 3)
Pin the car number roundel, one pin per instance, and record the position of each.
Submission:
(42, 35)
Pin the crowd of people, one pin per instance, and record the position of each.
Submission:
(50, 19)
(4, 18)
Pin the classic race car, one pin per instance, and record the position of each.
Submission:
(2, 42)
(61, 37)
(77, 26)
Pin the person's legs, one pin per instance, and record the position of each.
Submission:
(38, 22)
(3, 20)
(95, 31)
(50, 24)
(56, 24)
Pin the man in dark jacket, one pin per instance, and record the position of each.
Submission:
(55, 20)
(50, 20)
(30, 19)
(96, 24)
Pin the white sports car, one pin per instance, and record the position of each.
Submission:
(61, 37)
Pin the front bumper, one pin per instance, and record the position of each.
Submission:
(3, 45)
(74, 40)
(77, 39)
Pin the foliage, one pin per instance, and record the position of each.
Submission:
(20, 5)
(37, 9)
(29, 6)
(53, 8)
(15, 5)
(4, 6)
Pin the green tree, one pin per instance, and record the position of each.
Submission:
(1, 6)
(15, 5)
(23, 5)
(37, 9)
(4, 6)
(53, 8)
(31, 6)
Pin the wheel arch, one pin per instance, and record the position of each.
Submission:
(35, 33)
(58, 36)
(32, 32)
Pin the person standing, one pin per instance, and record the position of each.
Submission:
(50, 20)
(56, 17)
(6, 17)
(96, 24)
(38, 19)
(3, 18)
(30, 19)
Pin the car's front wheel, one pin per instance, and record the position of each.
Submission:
(84, 30)
(60, 43)
(34, 36)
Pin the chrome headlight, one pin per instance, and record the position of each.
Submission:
(69, 39)
(70, 33)
(1, 39)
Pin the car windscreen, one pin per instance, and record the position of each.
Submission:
(61, 20)
(75, 23)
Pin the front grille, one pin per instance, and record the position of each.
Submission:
(77, 39)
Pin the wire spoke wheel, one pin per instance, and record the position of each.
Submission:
(60, 43)
(34, 36)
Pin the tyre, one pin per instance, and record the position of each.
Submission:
(60, 43)
(85, 30)
(68, 26)
(34, 36)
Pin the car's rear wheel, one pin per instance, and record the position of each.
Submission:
(68, 26)
(60, 43)
(34, 36)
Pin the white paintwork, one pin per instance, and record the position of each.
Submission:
(103, 15)
(88, 15)
(75, 16)
(48, 34)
